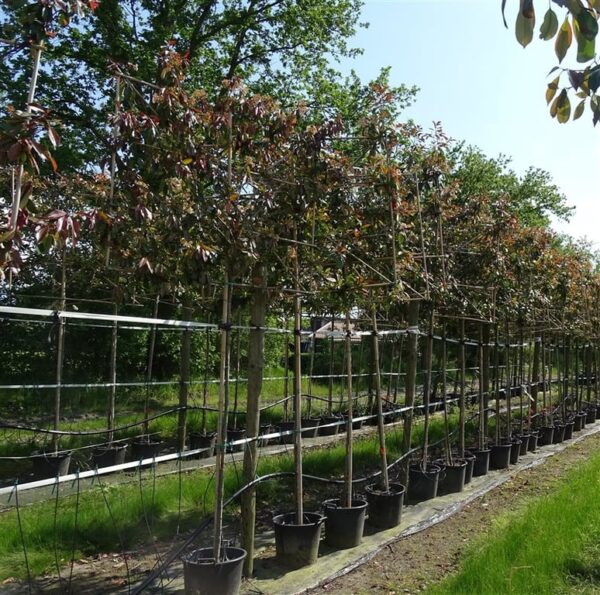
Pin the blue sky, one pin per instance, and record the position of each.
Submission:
(485, 89)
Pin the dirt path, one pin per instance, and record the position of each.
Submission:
(412, 563)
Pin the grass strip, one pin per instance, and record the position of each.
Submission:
(547, 546)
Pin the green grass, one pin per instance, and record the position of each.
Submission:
(549, 546)
(110, 518)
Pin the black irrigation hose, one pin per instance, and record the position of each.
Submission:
(172, 556)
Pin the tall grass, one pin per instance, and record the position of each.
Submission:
(546, 547)
(110, 518)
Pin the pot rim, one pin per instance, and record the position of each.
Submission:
(278, 519)
(373, 488)
(210, 561)
(331, 503)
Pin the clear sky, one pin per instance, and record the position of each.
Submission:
(485, 89)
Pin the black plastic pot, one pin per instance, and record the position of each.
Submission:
(533, 441)
(452, 478)
(286, 426)
(515, 451)
(107, 456)
(297, 545)
(49, 464)
(559, 434)
(232, 436)
(524, 438)
(500, 455)
(482, 462)
(204, 441)
(203, 576)
(569, 430)
(330, 430)
(423, 483)
(145, 449)
(264, 430)
(344, 525)
(385, 508)
(590, 415)
(470, 458)
(578, 420)
(312, 423)
(546, 435)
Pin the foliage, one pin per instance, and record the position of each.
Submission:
(576, 27)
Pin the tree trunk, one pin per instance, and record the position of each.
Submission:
(298, 388)
(256, 349)
(222, 421)
(60, 348)
(427, 388)
(110, 414)
(184, 377)
(349, 404)
(385, 484)
(149, 365)
(461, 395)
(411, 381)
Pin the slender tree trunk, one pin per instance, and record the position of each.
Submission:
(535, 374)
(205, 384)
(184, 377)
(110, 414)
(482, 392)
(238, 360)
(331, 355)
(411, 382)
(447, 443)
(286, 378)
(149, 365)
(256, 361)
(427, 388)
(298, 387)
(60, 348)
(385, 484)
(508, 385)
(497, 380)
(461, 400)
(222, 421)
(485, 375)
(350, 406)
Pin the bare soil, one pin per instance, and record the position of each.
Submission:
(413, 563)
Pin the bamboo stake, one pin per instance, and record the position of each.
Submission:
(482, 408)
(238, 358)
(508, 384)
(205, 384)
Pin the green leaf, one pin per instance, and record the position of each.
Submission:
(563, 107)
(552, 88)
(592, 79)
(579, 110)
(524, 29)
(564, 39)
(549, 27)
(586, 48)
(588, 25)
